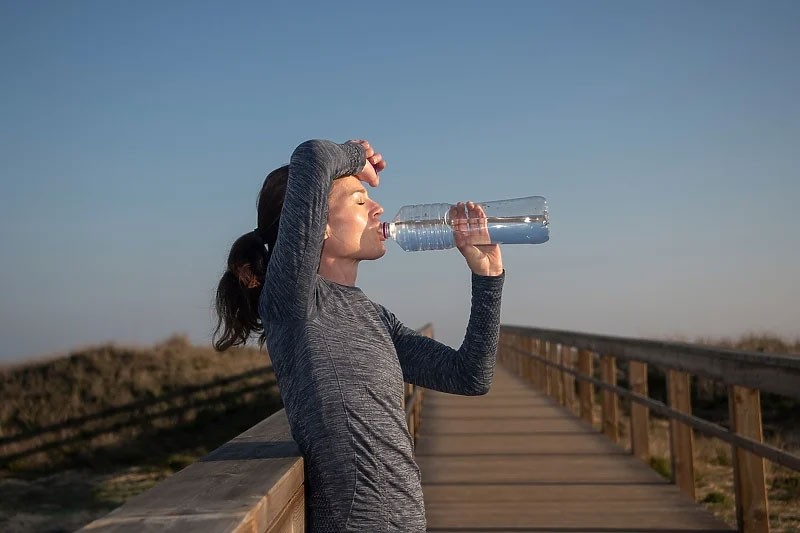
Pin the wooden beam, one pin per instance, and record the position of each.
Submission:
(752, 508)
(548, 372)
(555, 377)
(568, 380)
(585, 389)
(608, 370)
(681, 438)
(640, 414)
(248, 484)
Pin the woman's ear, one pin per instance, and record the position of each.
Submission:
(327, 231)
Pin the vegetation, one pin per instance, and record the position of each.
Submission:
(81, 434)
(713, 458)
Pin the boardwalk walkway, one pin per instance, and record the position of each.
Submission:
(513, 461)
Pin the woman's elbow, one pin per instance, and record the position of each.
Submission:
(479, 387)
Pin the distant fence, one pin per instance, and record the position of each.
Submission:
(553, 360)
(254, 483)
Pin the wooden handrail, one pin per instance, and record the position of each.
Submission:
(537, 354)
(778, 374)
(254, 483)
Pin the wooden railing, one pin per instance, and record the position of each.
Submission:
(253, 483)
(548, 359)
(414, 395)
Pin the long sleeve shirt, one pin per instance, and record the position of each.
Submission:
(341, 359)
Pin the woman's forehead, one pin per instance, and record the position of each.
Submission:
(348, 185)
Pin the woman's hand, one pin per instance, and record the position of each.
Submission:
(472, 239)
(374, 164)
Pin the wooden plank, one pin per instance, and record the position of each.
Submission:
(540, 473)
(248, 481)
(548, 444)
(599, 470)
(504, 426)
(554, 493)
(570, 517)
(608, 374)
(292, 520)
(752, 508)
(775, 373)
(493, 412)
(585, 389)
(640, 415)
(681, 438)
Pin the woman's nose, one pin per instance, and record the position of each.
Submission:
(378, 209)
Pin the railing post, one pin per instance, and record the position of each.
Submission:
(541, 379)
(512, 354)
(548, 375)
(526, 347)
(608, 371)
(523, 346)
(559, 360)
(640, 414)
(585, 389)
(568, 380)
(555, 381)
(681, 439)
(752, 508)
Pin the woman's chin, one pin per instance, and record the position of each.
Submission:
(379, 252)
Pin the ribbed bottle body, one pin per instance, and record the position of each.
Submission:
(429, 226)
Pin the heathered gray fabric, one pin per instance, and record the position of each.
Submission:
(341, 359)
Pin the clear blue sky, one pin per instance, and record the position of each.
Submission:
(665, 135)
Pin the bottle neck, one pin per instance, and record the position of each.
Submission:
(387, 229)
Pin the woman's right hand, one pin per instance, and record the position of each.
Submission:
(374, 164)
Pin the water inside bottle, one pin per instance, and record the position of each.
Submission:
(528, 229)
(435, 235)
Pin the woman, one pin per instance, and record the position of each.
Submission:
(339, 358)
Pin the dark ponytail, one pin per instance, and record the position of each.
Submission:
(239, 289)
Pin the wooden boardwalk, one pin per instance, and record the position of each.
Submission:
(514, 460)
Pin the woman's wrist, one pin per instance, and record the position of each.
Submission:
(490, 271)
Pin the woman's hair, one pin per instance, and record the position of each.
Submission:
(239, 289)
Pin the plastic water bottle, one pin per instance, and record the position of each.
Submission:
(428, 226)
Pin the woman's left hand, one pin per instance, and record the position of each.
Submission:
(374, 163)
(472, 239)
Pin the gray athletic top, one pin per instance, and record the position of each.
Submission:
(341, 359)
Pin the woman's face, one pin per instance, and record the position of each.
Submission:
(353, 230)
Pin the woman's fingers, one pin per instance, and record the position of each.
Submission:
(469, 224)
(377, 161)
(369, 175)
(374, 163)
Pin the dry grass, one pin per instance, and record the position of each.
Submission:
(713, 472)
(81, 434)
